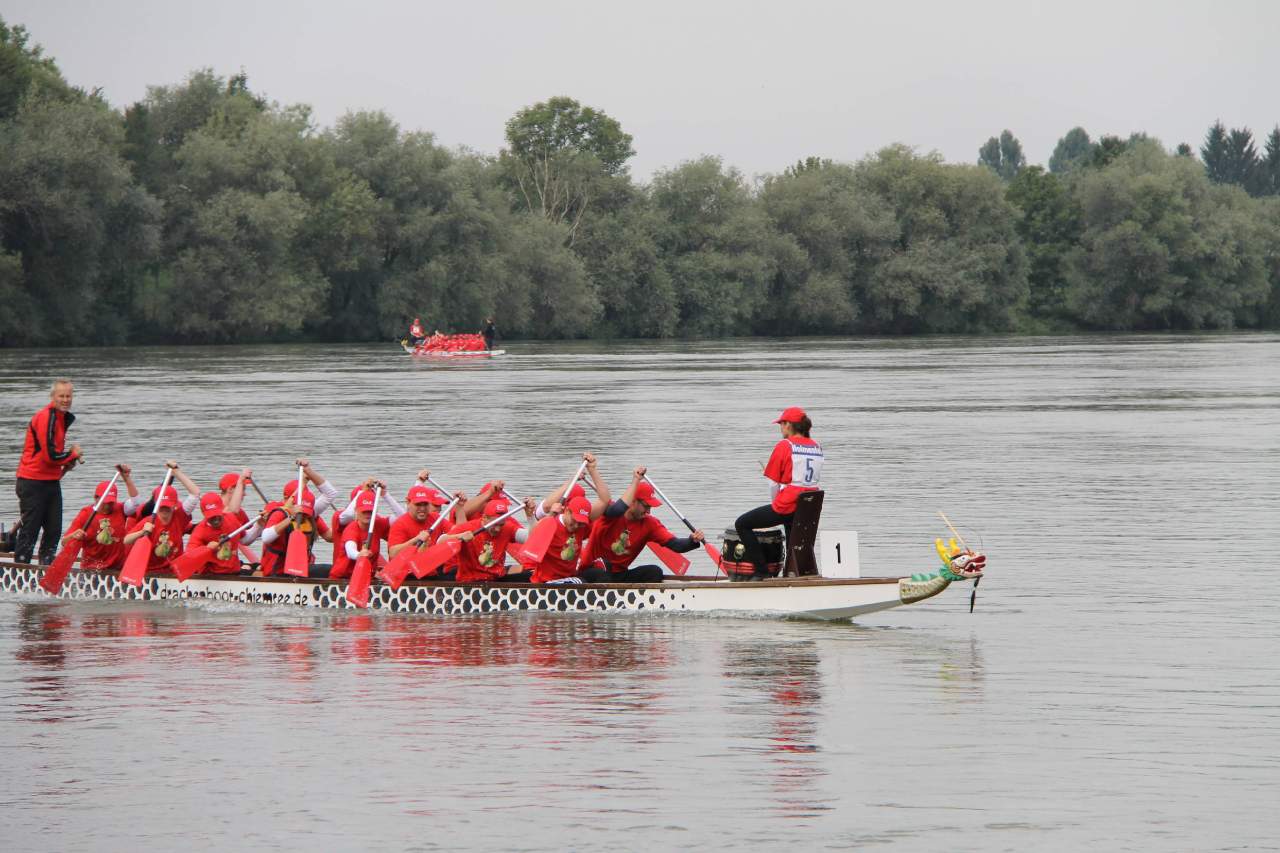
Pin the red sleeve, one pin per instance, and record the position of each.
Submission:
(658, 532)
(399, 533)
(48, 426)
(81, 517)
(779, 467)
(202, 535)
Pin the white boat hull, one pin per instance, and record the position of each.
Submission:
(813, 598)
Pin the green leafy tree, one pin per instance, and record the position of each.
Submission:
(1109, 147)
(26, 72)
(1050, 226)
(834, 234)
(1003, 156)
(69, 210)
(712, 244)
(1268, 219)
(620, 249)
(1163, 249)
(1185, 150)
(1073, 150)
(957, 264)
(560, 156)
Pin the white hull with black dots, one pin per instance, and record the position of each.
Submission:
(815, 598)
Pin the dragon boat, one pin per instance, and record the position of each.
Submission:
(457, 346)
(813, 597)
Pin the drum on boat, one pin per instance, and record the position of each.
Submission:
(735, 563)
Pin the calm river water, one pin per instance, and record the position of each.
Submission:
(1117, 687)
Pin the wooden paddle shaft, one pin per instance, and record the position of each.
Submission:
(98, 504)
(668, 502)
(373, 519)
(943, 516)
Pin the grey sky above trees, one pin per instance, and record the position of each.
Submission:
(760, 84)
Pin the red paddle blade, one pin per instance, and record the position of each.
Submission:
(436, 556)
(135, 565)
(358, 586)
(535, 547)
(56, 574)
(191, 562)
(677, 563)
(713, 552)
(401, 564)
(297, 559)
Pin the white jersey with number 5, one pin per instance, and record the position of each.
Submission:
(806, 465)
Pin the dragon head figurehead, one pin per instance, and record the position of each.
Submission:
(966, 566)
(958, 564)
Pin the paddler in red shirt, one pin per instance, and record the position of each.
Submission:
(224, 560)
(413, 529)
(166, 533)
(103, 541)
(561, 562)
(621, 533)
(278, 517)
(351, 546)
(484, 552)
(794, 467)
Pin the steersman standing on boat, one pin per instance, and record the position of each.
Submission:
(795, 466)
(39, 482)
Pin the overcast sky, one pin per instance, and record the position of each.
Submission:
(759, 84)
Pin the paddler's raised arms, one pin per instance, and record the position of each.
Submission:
(622, 532)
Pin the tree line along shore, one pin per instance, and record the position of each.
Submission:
(206, 213)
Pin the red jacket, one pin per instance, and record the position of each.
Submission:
(43, 457)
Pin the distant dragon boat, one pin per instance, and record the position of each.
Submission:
(451, 346)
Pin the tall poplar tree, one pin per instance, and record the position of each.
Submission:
(1003, 156)
(1071, 152)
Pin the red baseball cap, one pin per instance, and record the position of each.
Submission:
(644, 492)
(308, 505)
(488, 485)
(580, 509)
(170, 493)
(365, 502)
(211, 504)
(425, 495)
(170, 500)
(575, 491)
(791, 415)
(497, 507)
(110, 491)
(291, 488)
(229, 481)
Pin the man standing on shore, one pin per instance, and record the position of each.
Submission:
(39, 485)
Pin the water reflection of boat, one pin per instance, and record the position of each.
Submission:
(809, 597)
